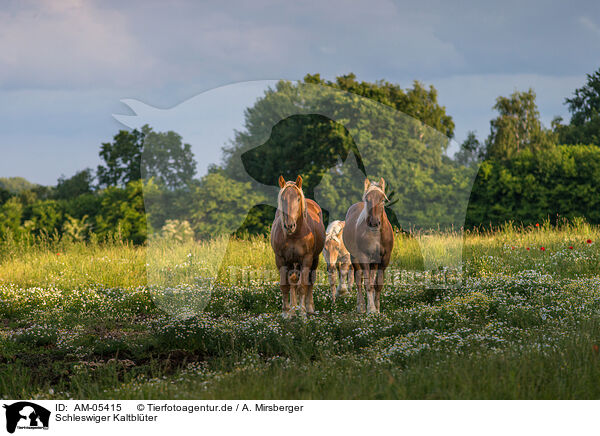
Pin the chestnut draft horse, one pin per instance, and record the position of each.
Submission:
(297, 238)
(369, 238)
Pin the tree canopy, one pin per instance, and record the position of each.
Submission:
(517, 127)
(333, 133)
(584, 106)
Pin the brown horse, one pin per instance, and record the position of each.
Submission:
(337, 258)
(297, 238)
(369, 238)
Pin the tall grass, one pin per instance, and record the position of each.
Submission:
(52, 261)
(80, 320)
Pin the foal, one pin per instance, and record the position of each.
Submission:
(369, 238)
(297, 239)
(337, 257)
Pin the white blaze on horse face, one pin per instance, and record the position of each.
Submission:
(370, 209)
(298, 209)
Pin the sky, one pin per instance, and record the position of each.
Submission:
(66, 66)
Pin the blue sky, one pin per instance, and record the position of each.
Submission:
(65, 66)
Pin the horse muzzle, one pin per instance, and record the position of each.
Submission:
(374, 227)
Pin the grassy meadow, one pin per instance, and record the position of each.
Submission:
(77, 320)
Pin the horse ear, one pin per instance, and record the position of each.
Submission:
(382, 184)
(299, 181)
(367, 184)
(281, 182)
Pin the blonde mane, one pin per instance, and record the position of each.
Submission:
(374, 186)
(302, 199)
(333, 230)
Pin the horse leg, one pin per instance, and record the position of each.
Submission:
(310, 304)
(344, 278)
(302, 289)
(293, 299)
(360, 301)
(371, 277)
(287, 311)
(285, 291)
(331, 276)
(350, 276)
(378, 287)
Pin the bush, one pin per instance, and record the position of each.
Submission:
(563, 181)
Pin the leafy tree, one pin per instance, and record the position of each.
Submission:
(4, 195)
(517, 127)
(44, 216)
(217, 194)
(166, 159)
(400, 148)
(122, 158)
(584, 106)
(122, 213)
(418, 102)
(563, 181)
(11, 213)
(83, 205)
(16, 185)
(471, 152)
(315, 142)
(76, 185)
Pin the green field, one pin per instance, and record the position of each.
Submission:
(77, 321)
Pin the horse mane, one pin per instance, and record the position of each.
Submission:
(333, 230)
(302, 199)
(374, 186)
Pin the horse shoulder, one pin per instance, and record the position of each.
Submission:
(314, 210)
(387, 237)
(352, 216)
(349, 235)
(277, 236)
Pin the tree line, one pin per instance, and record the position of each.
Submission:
(148, 180)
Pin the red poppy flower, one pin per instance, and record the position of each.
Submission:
(589, 241)
(58, 254)
(570, 247)
(512, 248)
(537, 224)
(542, 248)
(527, 248)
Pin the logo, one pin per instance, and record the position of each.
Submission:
(26, 415)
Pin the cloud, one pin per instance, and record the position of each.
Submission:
(87, 44)
(590, 25)
(66, 44)
(65, 65)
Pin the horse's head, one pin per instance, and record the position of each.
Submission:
(333, 242)
(291, 204)
(374, 198)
